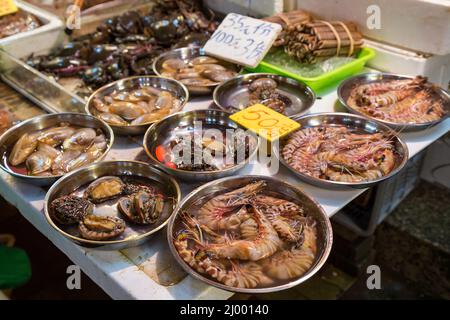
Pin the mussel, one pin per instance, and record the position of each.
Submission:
(142, 207)
(70, 209)
(104, 188)
(101, 227)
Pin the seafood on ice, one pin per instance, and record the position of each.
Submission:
(98, 208)
(339, 153)
(400, 101)
(56, 150)
(135, 107)
(246, 238)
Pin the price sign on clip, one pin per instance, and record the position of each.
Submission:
(242, 40)
(265, 122)
(7, 7)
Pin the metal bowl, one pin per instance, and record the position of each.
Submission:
(134, 234)
(274, 186)
(233, 95)
(347, 86)
(10, 137)
(351, 121)
(169, 128)
(131, 83)
(187, 54)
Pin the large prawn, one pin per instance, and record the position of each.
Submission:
(264, 245)
(240, 275)
(285, 216)
(293, 263)
(220, 213)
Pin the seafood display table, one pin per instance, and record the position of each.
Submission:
(149, 271)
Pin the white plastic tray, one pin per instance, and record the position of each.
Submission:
(42, 38)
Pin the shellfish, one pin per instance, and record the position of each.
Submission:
(70, 209)
(22, 149)
(141, 207)
(101, 227)
(104, 188)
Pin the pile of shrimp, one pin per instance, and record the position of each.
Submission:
(337, 153)
(400, 101)
(247, 239)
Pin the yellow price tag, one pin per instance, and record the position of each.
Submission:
(7, 7)
(265, 122)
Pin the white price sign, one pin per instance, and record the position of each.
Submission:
(242, 40)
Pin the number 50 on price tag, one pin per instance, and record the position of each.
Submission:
(265, 122)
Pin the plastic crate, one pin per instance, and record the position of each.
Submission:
(325, 80)
(365, 213)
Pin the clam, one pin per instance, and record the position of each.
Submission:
(142, 207)
(101, 227)
(174, 64)
(39, 161)
(22, 149)
(62, 161)
(83, 159)
(80, 139)
(98, 147)
(127, 110)
(204, 60)
(56, 135)
(210, 67)
(218, 75)
(100, 105)
(164, 101)
(112, 118)
(197, 82)
(70, 209)
(104, 188)
(151, 117)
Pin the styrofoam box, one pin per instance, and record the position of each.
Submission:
(44, 37)
(257, 8)
(420, 25)
(396, 60)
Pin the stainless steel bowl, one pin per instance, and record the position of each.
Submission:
(187, 54)
(274, 186)
(131, 83)
(354, 122)
(233, 95)
(172, 126)
(10, 137)
(134, 235)
(347, 86)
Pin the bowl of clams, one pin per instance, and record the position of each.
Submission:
(111, 205)
(132, 104)
(199, 72)
(44, 148)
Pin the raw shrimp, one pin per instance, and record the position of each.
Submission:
(264, 245)
(285, 216)
(292, 263)
(241, 275)
(218, 213)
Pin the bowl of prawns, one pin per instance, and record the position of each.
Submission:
(250, 234)
(341, 151)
